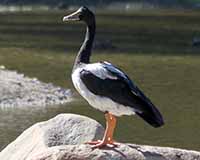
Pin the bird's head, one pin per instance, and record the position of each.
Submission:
(82, 14)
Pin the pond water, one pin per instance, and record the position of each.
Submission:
(131, 129)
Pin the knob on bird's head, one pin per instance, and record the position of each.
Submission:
(82, 14)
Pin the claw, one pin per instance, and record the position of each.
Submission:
(108, 135)
(101, 144)
(93, 142)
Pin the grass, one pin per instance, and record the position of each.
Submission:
(154, 48)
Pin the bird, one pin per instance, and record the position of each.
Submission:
(106, 87)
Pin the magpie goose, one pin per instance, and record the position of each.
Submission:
(106, 87)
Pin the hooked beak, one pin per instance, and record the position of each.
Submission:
(72, 17)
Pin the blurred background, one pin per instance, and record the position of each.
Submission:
(157, 43)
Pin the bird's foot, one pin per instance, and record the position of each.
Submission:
(101, 144)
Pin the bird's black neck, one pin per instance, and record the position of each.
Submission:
(84, 53)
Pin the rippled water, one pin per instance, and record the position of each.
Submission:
(13, 121)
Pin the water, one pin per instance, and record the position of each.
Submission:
(13, 121)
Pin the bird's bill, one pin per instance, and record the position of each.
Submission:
(72, 17)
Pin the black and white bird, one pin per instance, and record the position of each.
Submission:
(106, 87)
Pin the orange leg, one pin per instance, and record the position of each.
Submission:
(108, 135)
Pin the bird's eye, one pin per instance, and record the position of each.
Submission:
(80, 16)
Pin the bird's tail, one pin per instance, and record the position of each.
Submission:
(150, 113)
(154, 117)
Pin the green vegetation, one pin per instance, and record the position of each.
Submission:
(154, 48)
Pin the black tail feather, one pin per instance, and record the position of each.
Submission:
(152, 117)
(149, 112)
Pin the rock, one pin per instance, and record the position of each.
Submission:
(64, 129)
(104, 45)
(84, 152)
(17, 90)
(196, 41)
(2, 67)
(62, 138)
(122, 152)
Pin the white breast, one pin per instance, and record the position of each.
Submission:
(99, 102)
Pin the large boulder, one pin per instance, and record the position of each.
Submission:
(63, 137)
(122, 152)
(64, 129)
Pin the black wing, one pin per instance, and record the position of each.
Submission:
(122, 90)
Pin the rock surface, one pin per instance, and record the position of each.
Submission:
(122, 152)
(62, 138)
(104, 45)
(16, 90)
(64, 129)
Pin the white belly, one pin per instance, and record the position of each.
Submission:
(99, 102)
